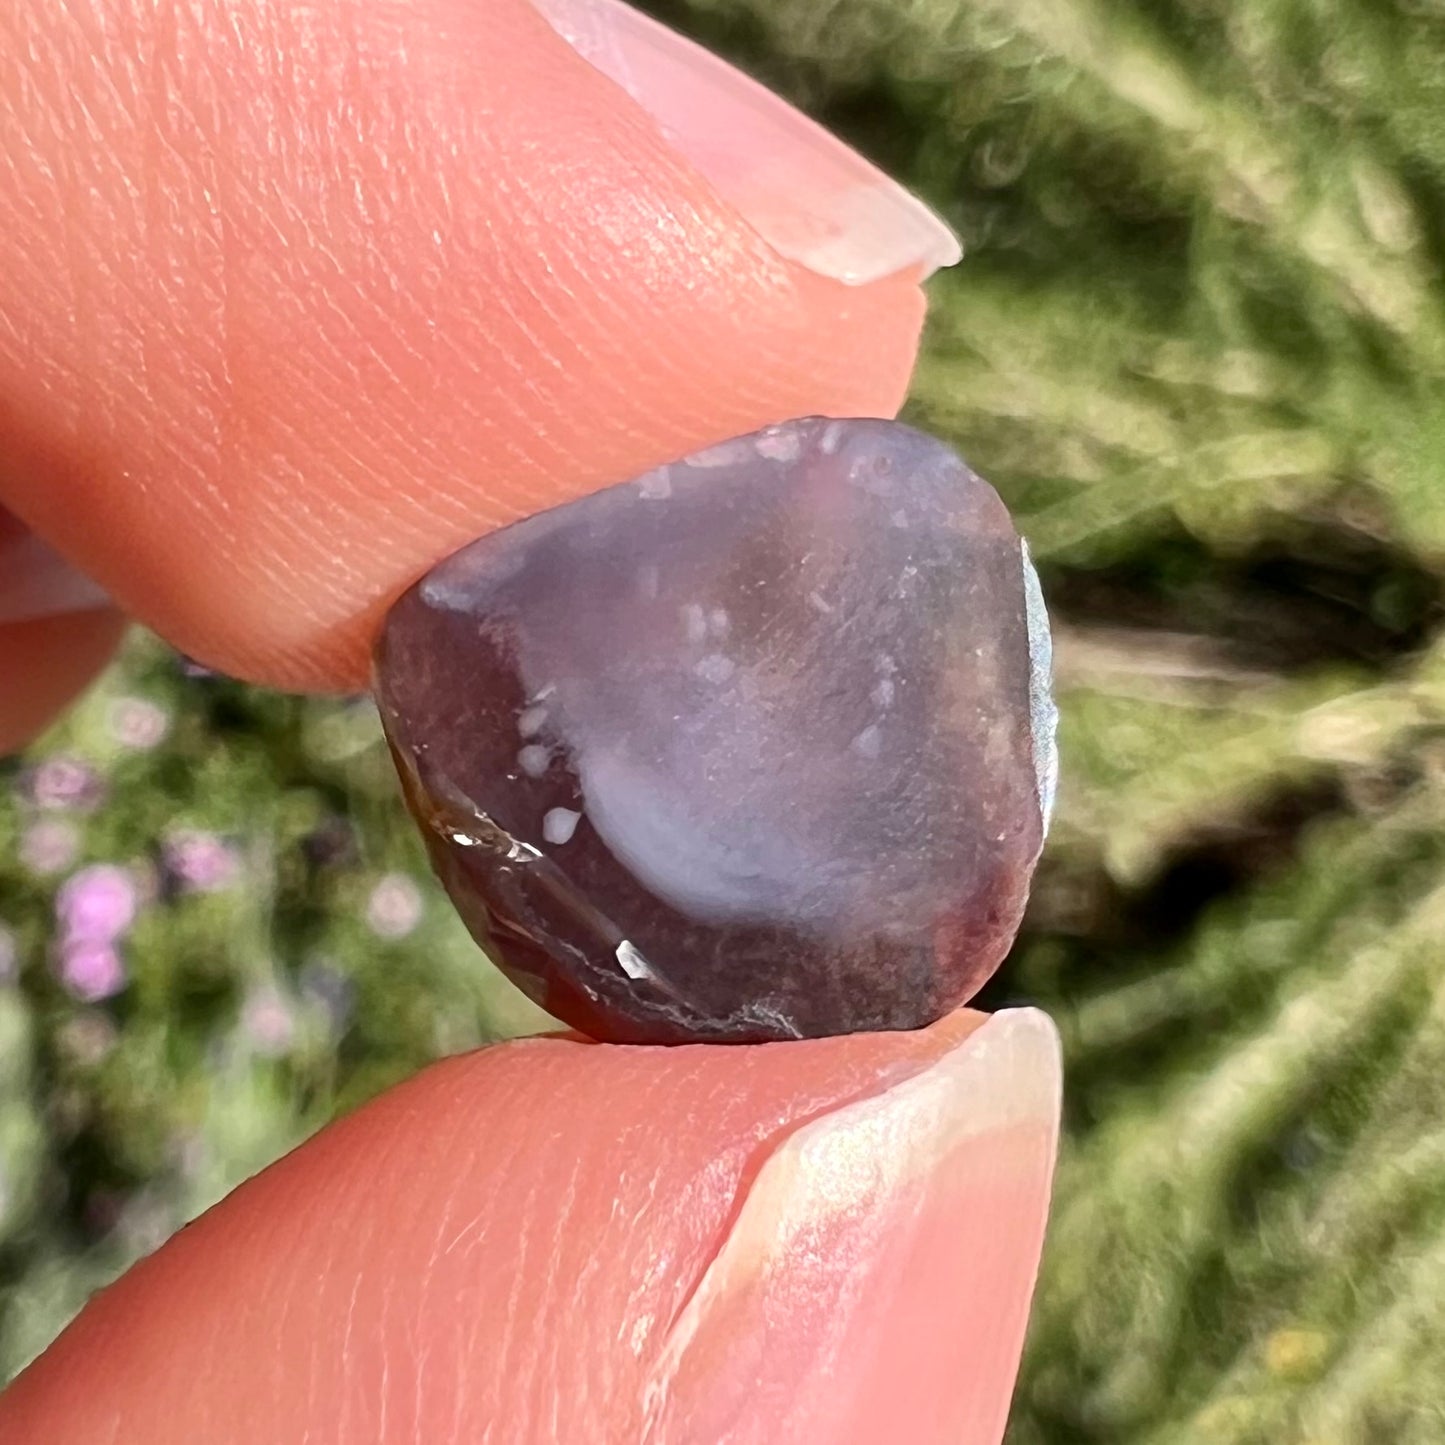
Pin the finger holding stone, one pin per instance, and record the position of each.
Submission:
(366, 282)
(788, 698)
(559, 1243)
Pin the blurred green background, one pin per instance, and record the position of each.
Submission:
(1198, 342)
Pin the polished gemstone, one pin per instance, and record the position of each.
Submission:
(757, 746)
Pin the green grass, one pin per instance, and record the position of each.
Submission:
(1198, 342)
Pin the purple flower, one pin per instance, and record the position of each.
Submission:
(49, 845)
(201, 862)
(97, 904)
(65, 782)
(91, 969)
(268, 1021)
(138, 723)
(394, 907)
(9, 955)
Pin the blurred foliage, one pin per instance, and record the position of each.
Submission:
(284, 957)
(1199, 343)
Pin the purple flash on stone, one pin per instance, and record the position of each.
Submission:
(758, 746)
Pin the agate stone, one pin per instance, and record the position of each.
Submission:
(757, 746)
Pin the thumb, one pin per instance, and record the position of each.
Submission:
(561, 1243)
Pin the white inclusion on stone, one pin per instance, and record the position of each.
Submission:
(869, 743)
(874, 475)
(831, 437)
(724, 454)
(649, 579)
(885, 664)
(442, 595)
(452, 585)
(530, 720)
(516, 852)
(719, 624)
(633, 964)
(900, 518)
(715, 667)
(765, 1014)
(656, 486)
(819, 602)
(1043, 714)
(533, 760)
(780, 445)
(694, 622)
(883, 693)
(559, 824)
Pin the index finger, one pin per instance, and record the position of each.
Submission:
(298, 299)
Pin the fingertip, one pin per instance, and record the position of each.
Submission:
(523, 1243)
(876, 1280)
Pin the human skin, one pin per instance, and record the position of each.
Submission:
(293, 301)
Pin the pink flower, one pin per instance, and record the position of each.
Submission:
(91, 969)
(49, 845)
(394, 907)
(138, 723)
(98, 903)
(268, 1021)
(65, 782)
(201, 862)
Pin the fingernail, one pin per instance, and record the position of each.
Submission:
(36, 582)
(811, 197)
(875, 1283)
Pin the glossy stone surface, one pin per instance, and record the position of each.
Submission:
(757, 746)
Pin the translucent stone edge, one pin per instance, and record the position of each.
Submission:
(1043, 712)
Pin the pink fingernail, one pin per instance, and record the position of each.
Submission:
(876, 1281)
(811, 197)
(36, 582)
